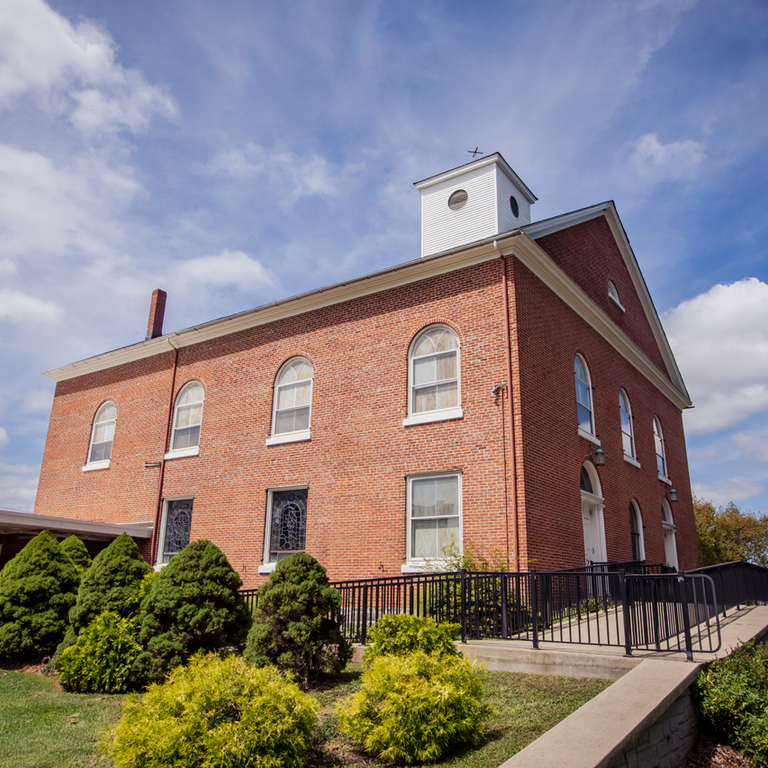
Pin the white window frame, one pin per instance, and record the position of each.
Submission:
(438, 414)
(266, 566)
(161, 561)
(670, 537)
(590, 435)
(636, 515)
(613, 295)
(661, 453)
(91, 465)
(418, 564)
(277, 438)
(191, 450)
(625, 409)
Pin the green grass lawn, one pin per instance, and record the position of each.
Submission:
(38, 727)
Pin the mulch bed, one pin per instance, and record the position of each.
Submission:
(710, 754)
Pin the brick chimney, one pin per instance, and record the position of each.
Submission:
(156, 314)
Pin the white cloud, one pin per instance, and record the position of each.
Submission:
(226, 269)
(736, 490)
(720, 339)
(654, 162)
(18, 486)
(18, 307)
(36, 401)
(753, 446)
(292, 177)
(70, 69)
(4, 439)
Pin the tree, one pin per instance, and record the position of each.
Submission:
(75, 550)
(37, 589)
(726, 534)
(194, 604)
(292, 628)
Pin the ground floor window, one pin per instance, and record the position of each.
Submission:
(176, 526)
(286, 522)
(434, 515)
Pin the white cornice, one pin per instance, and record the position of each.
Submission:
(24, 522)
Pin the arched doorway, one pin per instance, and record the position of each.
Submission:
(592, 504)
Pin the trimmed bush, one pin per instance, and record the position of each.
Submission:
(110, 584)
(415, 708)
(37, 589)
(75, 550)
(292, 628)
(218, 714)
(399, 635)
(193, 605)
(103, 659)
(732, 695)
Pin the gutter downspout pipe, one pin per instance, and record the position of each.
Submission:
(510, 406)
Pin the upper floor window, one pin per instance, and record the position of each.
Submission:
(583, 396)
(627, 433)
(661, 456)
(293, 400)
(433, 373)
(187, 418)
(613, 295)
(102, 434)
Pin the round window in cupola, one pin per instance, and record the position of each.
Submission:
(457, 199)
(514, 206)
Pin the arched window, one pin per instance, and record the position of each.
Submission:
(434, 374)
(102, 434)
(293, 399)
(583, 396)
(613, 295)
(636, 531)
(187, 418)
(627, 433)
(661, 456)
(668, 526)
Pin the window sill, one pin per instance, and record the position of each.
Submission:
(267, 568)
(182, 453)
(94, 465)
(665, 479)
(408, 568)
(426, 418)
(589, 436)
(633, 462)
(291, 437)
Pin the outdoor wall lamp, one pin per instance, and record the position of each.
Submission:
(599, 457)
(672, 495)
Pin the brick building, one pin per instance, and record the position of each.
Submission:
(512, 388)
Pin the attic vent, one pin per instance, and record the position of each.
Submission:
(514, 206)
(457, 199)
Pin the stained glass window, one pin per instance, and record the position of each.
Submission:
(288, 523)
(178, 523)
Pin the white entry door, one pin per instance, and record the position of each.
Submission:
(594, 538)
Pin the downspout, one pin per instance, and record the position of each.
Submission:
(510, 406)
(159, 500)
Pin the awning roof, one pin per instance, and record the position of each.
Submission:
(27, 523)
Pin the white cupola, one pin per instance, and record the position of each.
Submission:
(472, 202)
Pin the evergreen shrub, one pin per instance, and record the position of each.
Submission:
(292, 627)
(732, 695)
(402, 634)
(75, 550)
(193, 605)
(37, 589)
(217, 714)
(415, 708)
(103, 659)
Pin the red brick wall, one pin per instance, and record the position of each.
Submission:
(550, 335)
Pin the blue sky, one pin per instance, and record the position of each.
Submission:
(234, 153)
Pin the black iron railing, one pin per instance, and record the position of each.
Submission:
(738, 583)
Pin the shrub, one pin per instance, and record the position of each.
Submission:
(402, 634)
(193, 605)
(75, 550)
(415, 708)
(292, 628)
(37, 589)
(103, 659)
(731, 694)
(218, 714)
